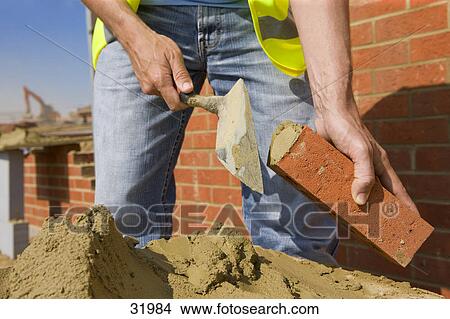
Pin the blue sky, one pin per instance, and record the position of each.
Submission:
(28, 59)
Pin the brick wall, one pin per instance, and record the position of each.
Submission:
(401, 56)
(57, 178)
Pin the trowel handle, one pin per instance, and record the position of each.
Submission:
(209, 103)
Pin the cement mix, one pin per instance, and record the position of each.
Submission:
(89, 258)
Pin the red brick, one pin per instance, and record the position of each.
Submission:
(437, 245)
(29, 200)
(383, 107)
(34, 220)
(211, 212)
(203, 140)
(430, 47)
(212, 121)
(213, 177)
(29, 159)
(419, 3)
(41, 202)
(316, 168)
(185, 175)
(361, 34)
(402, 25)
(30, 190)
(195, 193)
(437, 215)
(198, 122)
(411, 76)
(226, 196)
(379, 56)
(413, 131)
(433, 158)
(30, 180)
(75, 171)
(367, 9)
(423, 186)
(214, 160)
(194, 158)
(83, 183)
(362, 82)
(435, 102)
(187, 141)
(41, 212)
(206, 88)
(234, 181)
(88, 197)
(76, 196)
(30, 169)
(400, 158)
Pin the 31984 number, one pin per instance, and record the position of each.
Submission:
(149, 308)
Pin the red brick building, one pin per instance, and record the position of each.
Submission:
(401, 55)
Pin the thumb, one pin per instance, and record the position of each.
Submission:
(364, 176)
(181, 75)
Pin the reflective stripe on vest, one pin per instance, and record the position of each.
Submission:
(277, 35)
(274, 28)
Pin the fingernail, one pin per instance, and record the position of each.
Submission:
(361, 199)
(187, 86)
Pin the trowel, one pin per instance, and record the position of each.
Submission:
(236, 145)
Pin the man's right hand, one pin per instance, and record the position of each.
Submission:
(157, 61)
(159, 66)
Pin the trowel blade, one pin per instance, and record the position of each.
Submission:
(236, 145)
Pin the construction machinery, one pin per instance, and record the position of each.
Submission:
(47, 113)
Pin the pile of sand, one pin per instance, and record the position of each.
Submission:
(90, 259)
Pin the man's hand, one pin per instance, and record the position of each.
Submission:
(157, 60)
(323, 26)
(344, 128)
(159, 66)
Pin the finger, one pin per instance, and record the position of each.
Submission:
(149, 89)
(364, 175)
(172, 98)
(180, 74)
(390, 179)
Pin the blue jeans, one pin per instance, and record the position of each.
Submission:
(138, 139)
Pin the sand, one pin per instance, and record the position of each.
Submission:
(95, 261)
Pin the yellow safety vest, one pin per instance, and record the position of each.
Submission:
(274, 28)
(102, 36)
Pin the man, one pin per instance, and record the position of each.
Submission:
(169, 47)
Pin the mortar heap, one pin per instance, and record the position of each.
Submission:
(98, 262)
